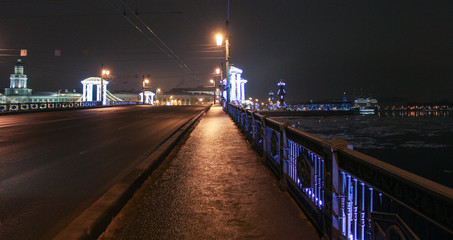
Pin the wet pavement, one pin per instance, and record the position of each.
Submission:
(216, 187)
(54, 165)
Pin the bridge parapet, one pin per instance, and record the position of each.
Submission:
(50, 106)
(347, 194)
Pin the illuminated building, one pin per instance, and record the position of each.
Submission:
(88, 89)
(237, 90)
(18, 82)
(281, 95)
(186, 96)
(19, 92)
(149, 97)
(271, 100)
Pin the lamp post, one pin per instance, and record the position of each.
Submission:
(213, 90)
(145, 81)
(219, 40)
(157, 91)
(219, 72)
(103, 72)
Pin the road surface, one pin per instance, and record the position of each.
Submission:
(53, 165)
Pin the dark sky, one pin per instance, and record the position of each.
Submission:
(320, 48)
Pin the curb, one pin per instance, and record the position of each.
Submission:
(95, 219)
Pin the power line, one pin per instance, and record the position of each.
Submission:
(83, 15)
(159, 43)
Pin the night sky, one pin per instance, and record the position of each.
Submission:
(389, 49)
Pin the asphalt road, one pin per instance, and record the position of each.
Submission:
(54, 165)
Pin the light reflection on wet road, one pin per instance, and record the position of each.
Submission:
(55, 164)
(215, 188)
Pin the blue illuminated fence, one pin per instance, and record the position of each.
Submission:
(347, 194)
(30, 107)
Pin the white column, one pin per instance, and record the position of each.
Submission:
(242, 91)
(90, 92)
(104, 93)
(84, 97)
(98, 92)
(238, 85)
(233, 87)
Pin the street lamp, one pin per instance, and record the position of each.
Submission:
(218, 71)
(145, 81)
(104, 72)
(219, 40)
(157, 91)
(213, 90)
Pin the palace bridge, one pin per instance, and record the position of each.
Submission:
(77, 169)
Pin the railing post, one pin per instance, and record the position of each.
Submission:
(263, 126)
(244, 120)
(253, 127)
(246, 127)
(284, 158)
(335, 205)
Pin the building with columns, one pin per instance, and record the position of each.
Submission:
(149, 97)
(237, 83)
(18, 82)
(88, 90)
(188, 96)
(18, 90)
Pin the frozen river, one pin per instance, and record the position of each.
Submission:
(419, 142)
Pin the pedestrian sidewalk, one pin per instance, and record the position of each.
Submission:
(215, 188)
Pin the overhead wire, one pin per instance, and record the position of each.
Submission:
(159, 43)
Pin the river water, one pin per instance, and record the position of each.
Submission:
(419, 142)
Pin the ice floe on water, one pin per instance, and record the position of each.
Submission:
(406, 142)
(375, 132)
(421, 144)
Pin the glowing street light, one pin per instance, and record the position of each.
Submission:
(219, 39)
(217, 70)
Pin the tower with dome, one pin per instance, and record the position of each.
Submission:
(18, 82)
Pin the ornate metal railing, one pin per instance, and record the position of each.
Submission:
(27, 107)
(347, 194)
